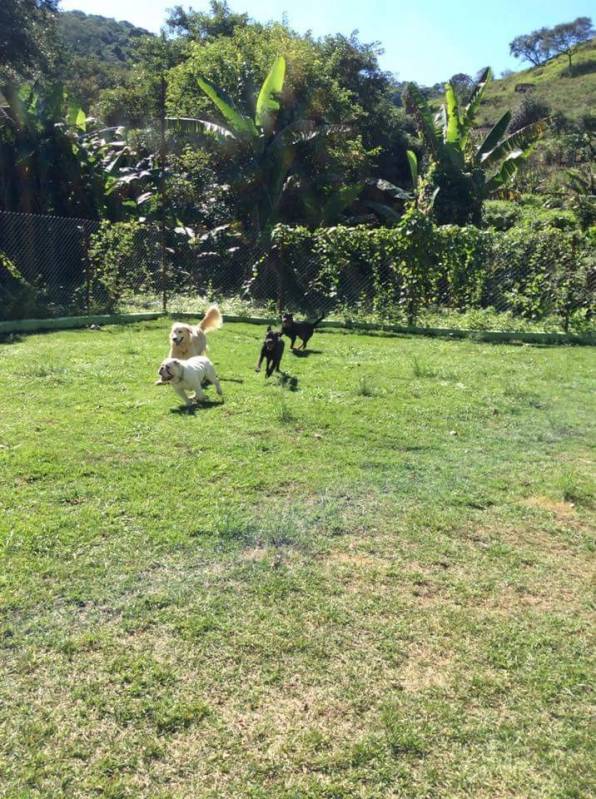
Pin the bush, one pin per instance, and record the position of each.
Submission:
(18, 298)
(398, 272)
(500, 214)
(123, 257)
(531, 109)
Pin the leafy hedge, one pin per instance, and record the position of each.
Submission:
(18, 298)
(399, 271)
(391, 273)
(123, 259)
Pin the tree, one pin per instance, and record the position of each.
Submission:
(200, 26)
(463, 85)
(44, 167)
(26, 32)
(565, 38)
(267, 148)
(533, 47)
(461, 173)
(541, 45)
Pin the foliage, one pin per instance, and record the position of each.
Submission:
(530, 110)
(98, 37)
(200, 26)
(541, 45)
(397, 272)
(95, 55)
(335, 82)
(122, 256)
(565, 38)
(544, 271)
(18, 298)
(579, 188)
(500, 214)
(269, 146)
(571, 97)
(26, 37)
(534, 47)
(137, 102)
(44, 167)
(463, 172)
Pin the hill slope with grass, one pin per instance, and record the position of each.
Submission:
(572, 94)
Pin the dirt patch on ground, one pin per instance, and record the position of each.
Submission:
(563, 511)
(424, 669)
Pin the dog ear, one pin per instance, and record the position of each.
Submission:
(269, 329)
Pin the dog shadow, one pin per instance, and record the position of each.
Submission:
(306, 353)
(287, 381)
(190, 410)
(10, 338)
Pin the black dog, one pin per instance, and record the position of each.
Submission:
(294, 330)
(272, 350)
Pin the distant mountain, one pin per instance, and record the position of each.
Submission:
(93, 36)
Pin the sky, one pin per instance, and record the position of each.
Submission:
(424, 40)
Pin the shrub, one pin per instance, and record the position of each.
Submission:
(500, 214)
(395, 273)
(18, 298)
(540, 272)
(122, 257)
(531, 109)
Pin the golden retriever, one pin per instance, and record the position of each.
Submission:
(186, 341)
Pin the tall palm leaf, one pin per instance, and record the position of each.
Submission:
(515, 145)
(267, 102)
(460, 174)
(240, 124)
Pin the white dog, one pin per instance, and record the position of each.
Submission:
(186, 341)
(188, 375)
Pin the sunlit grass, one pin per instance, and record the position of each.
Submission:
(367, 577)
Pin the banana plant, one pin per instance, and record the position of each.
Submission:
(465, 171)
(45, 166)
(271, 150)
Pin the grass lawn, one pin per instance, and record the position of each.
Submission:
(372, 579)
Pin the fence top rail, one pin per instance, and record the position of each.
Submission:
(495, 336)
(29, 215)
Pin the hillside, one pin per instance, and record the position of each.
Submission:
(573, 95)
(93, 36)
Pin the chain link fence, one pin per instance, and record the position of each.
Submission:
(56, 267)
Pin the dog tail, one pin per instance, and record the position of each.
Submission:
(212, 319)
(318, 322)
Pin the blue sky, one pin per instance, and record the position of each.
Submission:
(426, 41)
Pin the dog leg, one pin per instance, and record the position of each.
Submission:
(182, 394)
(212, 378)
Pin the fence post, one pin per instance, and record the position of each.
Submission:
(281, 283)
(86, 240)
(162, 186)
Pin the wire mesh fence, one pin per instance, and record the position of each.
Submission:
(54, 266)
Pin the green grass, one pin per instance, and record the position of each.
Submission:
(369, 578)
(473, 319)
(573, 95)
